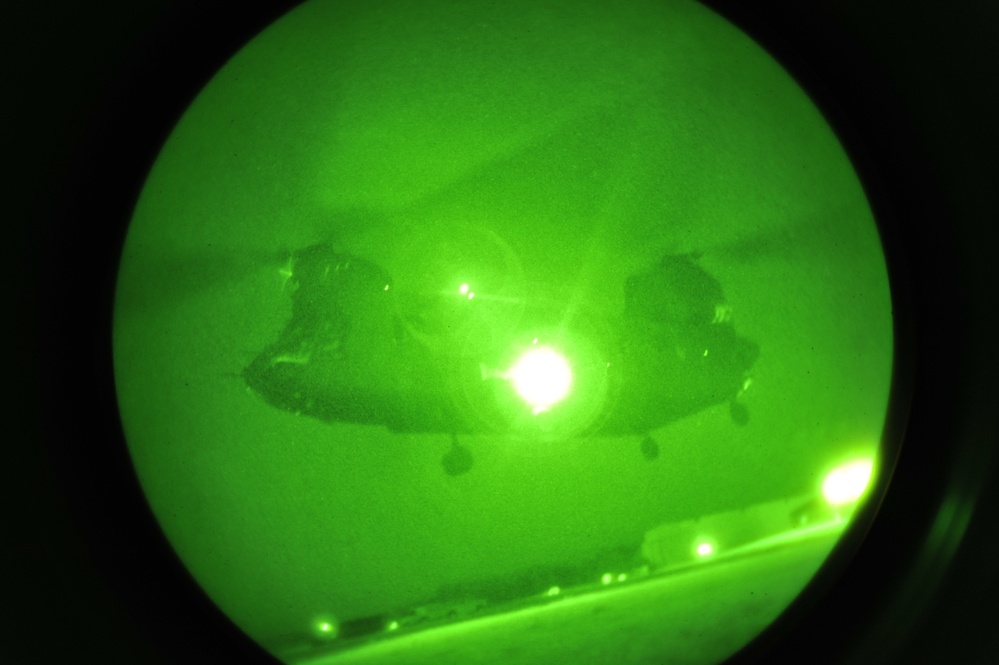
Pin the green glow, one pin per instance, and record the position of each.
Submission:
(705, 549)
(326, 627)
(542, 377)
(847, 483)
(512, 170)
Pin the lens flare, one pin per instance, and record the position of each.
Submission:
(542, 377)
(847, 483)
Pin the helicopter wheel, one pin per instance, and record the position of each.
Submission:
(650, 449)
(457, 461)
(739, 413)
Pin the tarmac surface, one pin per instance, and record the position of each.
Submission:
(695, 615)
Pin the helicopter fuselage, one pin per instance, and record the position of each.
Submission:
(358, 349)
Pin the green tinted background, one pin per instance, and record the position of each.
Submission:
(593, 138)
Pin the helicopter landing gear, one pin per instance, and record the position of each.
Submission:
(736, 409)
(458, 460)
(650, 449)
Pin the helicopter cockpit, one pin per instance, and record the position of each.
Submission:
(358, 348)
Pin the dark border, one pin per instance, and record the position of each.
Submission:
(88, 548)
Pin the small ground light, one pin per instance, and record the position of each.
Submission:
(392, 625)
(553, 591)
(847, 483)
(326, 627)
(705, 549)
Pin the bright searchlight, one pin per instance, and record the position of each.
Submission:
(542, 377)
(847, 483)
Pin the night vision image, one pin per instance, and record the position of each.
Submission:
(520, 332)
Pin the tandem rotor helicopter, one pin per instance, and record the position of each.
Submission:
(360, 348)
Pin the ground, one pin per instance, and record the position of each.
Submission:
(698, 616)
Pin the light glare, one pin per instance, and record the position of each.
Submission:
(541, 377)
(847, 483)
(326, 627)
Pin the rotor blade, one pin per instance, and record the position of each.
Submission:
(162, 279)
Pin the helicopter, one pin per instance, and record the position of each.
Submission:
(360, 348)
